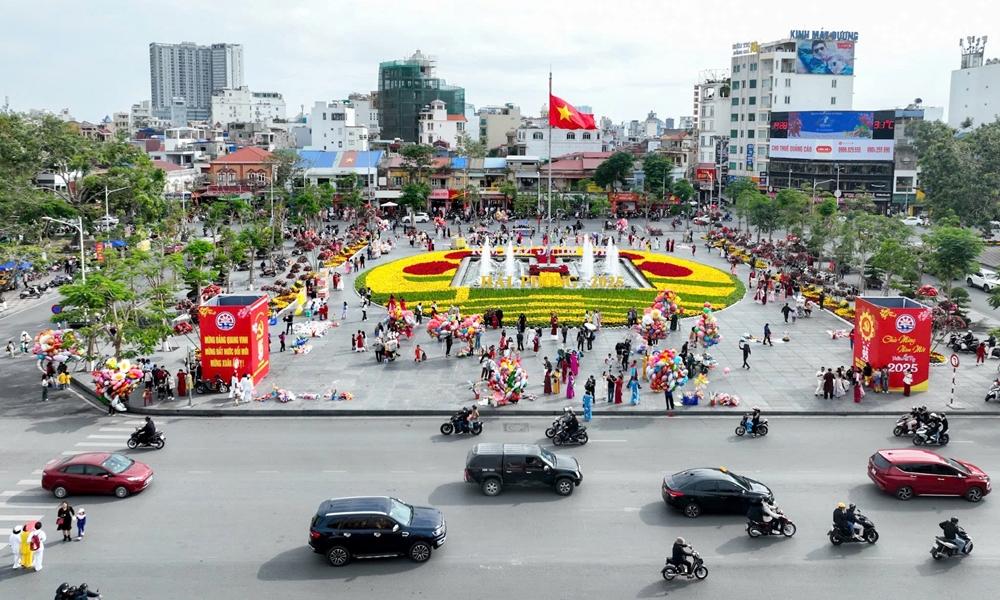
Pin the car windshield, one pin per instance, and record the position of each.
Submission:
(401, 512)
(116, 463)
(548, 457)
(741, 480)
(959, 466)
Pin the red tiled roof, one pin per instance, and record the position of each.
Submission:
(456, 117)
(248, 155)
(166, 166)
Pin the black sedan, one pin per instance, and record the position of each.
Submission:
(712, 490)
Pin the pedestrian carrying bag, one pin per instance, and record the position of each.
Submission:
(34, 543)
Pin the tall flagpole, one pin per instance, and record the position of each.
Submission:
(550, 156)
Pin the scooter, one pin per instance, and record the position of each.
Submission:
(869, 534)
(216, 386)
(758, 529)
(994, 390)
(157, 440)
(563, 436)
(746, 424)
(943, 547)
(30, 292)
(455, 425)
(923, 436)
(907, 425)
(670, 570)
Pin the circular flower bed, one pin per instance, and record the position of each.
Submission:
(427, 277)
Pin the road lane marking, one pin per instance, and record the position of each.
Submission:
(73, 452)
(30, 482)
(400, 472)
(21, 518)
(21, 493)
(610, 441)
(97, 445)
(334, 471)
(267, 472)
(37, 472)
(135, 422)
(108, 437)
(120, 429)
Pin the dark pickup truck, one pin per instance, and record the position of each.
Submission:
(493, 466)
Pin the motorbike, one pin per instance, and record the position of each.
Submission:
(268, 273)
(242, 266)
(761, 427)
(907, 425)
(670, 570)
(556, 426)
(943, 547)
(60, 280)
(563, 436)
(215, 386)
(757, 529)
(31, 292)
(967, 343)
(157, 440)
(870, 534)
(455, 425)
(923, 436)
(994, 390)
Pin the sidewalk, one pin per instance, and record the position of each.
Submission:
(781, 380)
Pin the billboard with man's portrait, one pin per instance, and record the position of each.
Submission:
(824, 57)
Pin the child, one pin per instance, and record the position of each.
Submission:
(418, 354)
(354, 342)
(281, 338)
(81, 523)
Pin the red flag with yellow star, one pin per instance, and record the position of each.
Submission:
(562, 115)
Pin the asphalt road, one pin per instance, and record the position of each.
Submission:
(228, 513)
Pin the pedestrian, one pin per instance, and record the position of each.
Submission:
(447, 344)
(10, 348)
(288, 322)
(536, 341)
(591, 336)
(885, 379)
(64, 520)
(25, 340)
(547, 383)
(822, 298)
(520, 339)
(570, 390)
(364, 311)
(907, 382)
(981, 353)
(828, 383)
(15, 546)
(81, 523)
(619, 384)
(247, 388)
(361, 342)
(182, 381)
(851, 336)
(785, 310)
(343, 313)
(610, 379)
(281, 338)
(27, 554)
(868, 372)
(819, 382)
(418, 355)
(668, 395)
(354, 342)
(633, 385)
(37, 546)
(795, 314)
(46, 384)
(693, 247)
(745, 346)
(767, 334)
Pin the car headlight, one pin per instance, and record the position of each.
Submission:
(134, 479)
(439, 530)
(576, 474)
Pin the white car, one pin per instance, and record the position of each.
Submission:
(107, 222)
(984, 280)
(421, 218)
(913, 221)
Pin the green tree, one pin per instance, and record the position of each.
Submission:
(525, 205)
(954, 253)
(764, 214)
(255, 238)
(657, 169)
(414, 197)
(287, 168)
(866, 234)
(417, 160)
(894, 257)
(615, 170)
(599, 204)
(198, 253)
(794, 206)
(509, 191)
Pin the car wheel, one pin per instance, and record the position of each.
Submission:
(447, 428)
(121, 491)
(338, 556)
(872, 536)
(741, 430)
(897, 431)
(477, 428)
(132, 443)
(550, 432)
(974, 494)
(986, 288)
(904, 493)
(564, 486)
(159, 444)
(701, 572)
(491, 487)
(420, 552)
(60, 492)
(692, 510)
(968, 280)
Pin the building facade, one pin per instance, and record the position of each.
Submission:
(974, 98)
(497, 125)
(247, 166)
(189, 71)
(438, 128)
(333, 127)
(405, 87)
(240, 105)
(532, 139)
(711, 131)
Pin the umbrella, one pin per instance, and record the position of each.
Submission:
(388, 204)
(590, 326)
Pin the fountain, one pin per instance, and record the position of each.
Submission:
(509, 261)
(587, 261)
(612, 268)
(485, 261)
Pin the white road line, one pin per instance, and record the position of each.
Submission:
(120, 429)
(20, 493)
(135, 422)
(37, 472)
(30, 482)
(97, 445)
(334, 471)
(21, 518)
(74, 452)
(124, 438)
(400, 472)
(610, 441)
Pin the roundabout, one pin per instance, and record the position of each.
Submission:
(549, 281)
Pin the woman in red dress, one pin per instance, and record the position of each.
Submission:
(554, 324)
(618, 388)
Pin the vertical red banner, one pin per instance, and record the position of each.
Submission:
(234, 337)
(894, 333)
(99, 251)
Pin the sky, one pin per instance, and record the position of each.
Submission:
(623, 58)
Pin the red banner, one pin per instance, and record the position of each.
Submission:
(99, 250)
(234, 337)
(894, 333)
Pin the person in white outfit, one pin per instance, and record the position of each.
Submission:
(234, 388)
(247, 388)
(15, 546)
(772, 512)
(819, 382)
(37, 555)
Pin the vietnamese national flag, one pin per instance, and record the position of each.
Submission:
(562, 115)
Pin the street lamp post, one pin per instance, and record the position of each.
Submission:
(107, 192)
(79, 227)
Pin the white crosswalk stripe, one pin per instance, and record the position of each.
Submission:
(74, 452)
(108, 437)
(135, 422)
(98, 445)
(11, 494)
(20, 518)
(119, 429)
(30, 482)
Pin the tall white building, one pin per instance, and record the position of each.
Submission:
(240, 105)
(532, 139)
(436, 126)
(192, 72)
(333, 126)
(975, 88)
(807, 71)
(365, 113)
(711, 124)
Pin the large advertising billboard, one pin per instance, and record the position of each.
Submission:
(824, 57)
(894, 333)
(833, 135)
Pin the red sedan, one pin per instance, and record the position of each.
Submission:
(96, 473)
(913, 472)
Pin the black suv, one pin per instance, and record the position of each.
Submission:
(493, 466)
(375, 527)
(714, 490)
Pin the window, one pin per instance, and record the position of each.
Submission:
(736, 85)
(95, 471)
(732, 166)
(833, 83)
(355, 522)
(742, 117)
(570, 135)
(752, 117)
(732, 133)
(788, 99)
(705, 486)
(833, 100)
(383, 523)
(753, 100)
(586, 135)
(340, 144)
(740, 166)
(734, 118)
(753, 83)
(73, 470)
(397, 181)
(741, 133)
(736, 68)
(732, 149)
(736, 101)
(750, 133)
(538, 135)
(753, 67)
(727, 487)
(350, 143)
(788, 82)
(324, 116)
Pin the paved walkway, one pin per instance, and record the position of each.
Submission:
(781, 379)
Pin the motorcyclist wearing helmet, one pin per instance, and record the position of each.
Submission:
(938, 424)
(773, 513)
(841, 522)
(82, 593)
(147, 431)
(950, 528)
(852, 517)
(571, 423)
(682, 556)
(461, 419)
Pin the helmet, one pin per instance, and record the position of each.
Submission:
(954, 520)
(852, 505)
(567, 409)
(841, 505)
(82, 587)
(680, 540)
(756, 409)
(148, 418)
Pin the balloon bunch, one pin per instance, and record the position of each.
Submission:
(443, 324)
(117, 379)
(439, 222)
(57, 344)
(652, 326)
(621, 225)
(402, 321)
(707, 328)
(668, 302)
(665, 371)
(508, 381)
(469, 326)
